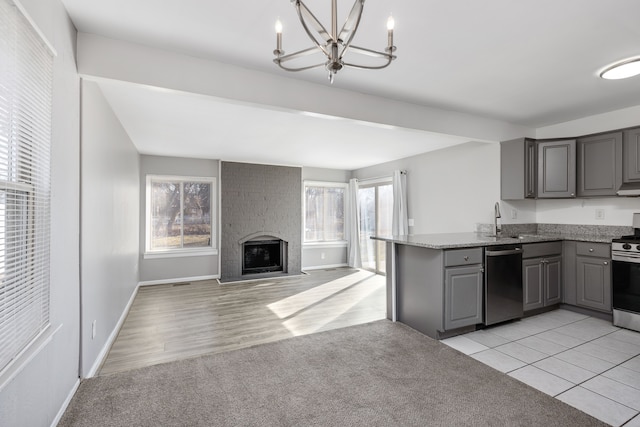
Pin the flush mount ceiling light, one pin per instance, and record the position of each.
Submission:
(622, 69)
(333, 44)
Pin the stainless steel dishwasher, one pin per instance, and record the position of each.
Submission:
(502, 283)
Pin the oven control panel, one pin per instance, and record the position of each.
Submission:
(625, 247)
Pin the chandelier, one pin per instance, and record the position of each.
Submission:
(333, 44)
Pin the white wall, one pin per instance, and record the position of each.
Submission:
(181, 268)
(110, 224)
(41, 386)
(449, 190)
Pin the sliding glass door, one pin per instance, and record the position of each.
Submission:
(375, 201)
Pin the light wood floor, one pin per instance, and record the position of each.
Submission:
(172, 322)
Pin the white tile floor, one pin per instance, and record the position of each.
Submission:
(583, 361)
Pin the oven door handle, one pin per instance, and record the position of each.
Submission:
(625, 258)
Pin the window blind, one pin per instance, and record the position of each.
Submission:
(26, 65)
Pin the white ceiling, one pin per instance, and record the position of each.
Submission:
(528, 62)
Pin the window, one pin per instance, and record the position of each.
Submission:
(25, 138)
(324, 211)
(180, 214)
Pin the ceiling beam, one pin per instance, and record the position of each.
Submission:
(102, 57)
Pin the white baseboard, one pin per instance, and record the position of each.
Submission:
(66, 403)
(114, 334)
(178, 280)
(324, 267)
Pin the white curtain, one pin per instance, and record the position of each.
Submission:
(400, 222)
(353, 226)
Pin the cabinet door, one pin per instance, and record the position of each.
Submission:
(518, 169)
(463, 297)
(594, 283)
(530, 168)
(632, 155)
(552, 280)
(556, 169)
(532, 282)
(600, 165)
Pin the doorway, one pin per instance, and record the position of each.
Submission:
(375, 201)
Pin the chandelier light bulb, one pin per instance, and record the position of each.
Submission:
(278, 27)
(622, 70)
(390, 23)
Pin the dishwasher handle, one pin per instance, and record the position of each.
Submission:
(503, 252)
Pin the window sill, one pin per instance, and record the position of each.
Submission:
(324, 245)
(180, 253)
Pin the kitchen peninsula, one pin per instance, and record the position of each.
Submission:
(436, 282)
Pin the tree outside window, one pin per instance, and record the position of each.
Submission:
(180, 213)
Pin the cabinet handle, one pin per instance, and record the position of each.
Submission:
(572, 194)
(466, 258)
(590, 249)
(606, 263)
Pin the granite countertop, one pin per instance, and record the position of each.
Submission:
(469, 240)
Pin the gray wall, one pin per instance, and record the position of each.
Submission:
(110, 172)
(260, 199)
(324, 256)
(179, 268)
(37, 392)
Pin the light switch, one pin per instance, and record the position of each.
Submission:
(410, 222)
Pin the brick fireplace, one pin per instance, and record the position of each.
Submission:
(260, 203)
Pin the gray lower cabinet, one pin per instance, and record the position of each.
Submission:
(631, 150)
(556, 169)
(463, 296)
(542, 274)
(533, 283)
(437, 290)
(599, 165)
(542, 280)
(593, 276)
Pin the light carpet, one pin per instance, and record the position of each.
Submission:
(377, 374)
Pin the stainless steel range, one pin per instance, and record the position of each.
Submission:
(625, 254)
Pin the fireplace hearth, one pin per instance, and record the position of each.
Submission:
(263, 256)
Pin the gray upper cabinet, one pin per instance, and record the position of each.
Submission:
(599, 165)
(518, 160)
(556, 169)
(632, 155)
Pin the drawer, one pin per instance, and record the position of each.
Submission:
(536, 250)
(602, 250)
(466, 256)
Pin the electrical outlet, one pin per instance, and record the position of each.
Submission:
(514, 214)
(411, 222)
(93, 329)
(599, 213)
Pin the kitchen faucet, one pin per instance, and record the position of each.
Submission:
(497, 215)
